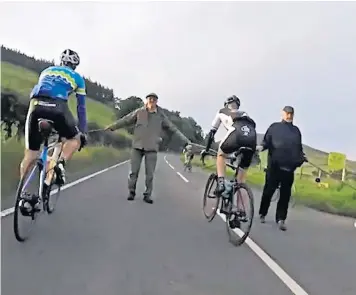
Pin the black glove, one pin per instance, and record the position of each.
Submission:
(83, 140)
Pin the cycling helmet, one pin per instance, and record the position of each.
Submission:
(231, 99)
(70, 58)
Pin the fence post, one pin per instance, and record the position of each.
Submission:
(343, 176)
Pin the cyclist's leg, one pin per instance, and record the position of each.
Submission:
(185, 158)
(227, 146)
(32, 137)
(191, 159)
(245, 163)
(66, 127)
(248, 140)
(64, 123)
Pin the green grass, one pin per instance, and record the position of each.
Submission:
(336, 199)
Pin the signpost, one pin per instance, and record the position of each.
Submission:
(336, 162)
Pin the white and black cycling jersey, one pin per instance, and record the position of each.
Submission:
(226, 118)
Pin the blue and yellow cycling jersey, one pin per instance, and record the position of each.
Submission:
(59, 82)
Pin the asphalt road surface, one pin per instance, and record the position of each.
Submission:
(99, 243)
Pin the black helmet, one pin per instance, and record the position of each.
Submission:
(231, 99)
(70, 58)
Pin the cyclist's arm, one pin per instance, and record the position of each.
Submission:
(81, 107)
(127, 120)
(214, 127)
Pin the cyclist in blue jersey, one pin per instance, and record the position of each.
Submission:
(49, 100)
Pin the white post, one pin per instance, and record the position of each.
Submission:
(343, 174)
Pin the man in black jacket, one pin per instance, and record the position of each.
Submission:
(285, 153)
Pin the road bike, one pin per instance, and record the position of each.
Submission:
(241, 215)
(27, 204)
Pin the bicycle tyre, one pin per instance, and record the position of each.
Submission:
(212, 177)
(241, 237)
(19, 237)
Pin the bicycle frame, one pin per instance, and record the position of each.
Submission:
(42, 163)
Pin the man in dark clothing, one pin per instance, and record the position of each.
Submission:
(285, 154)
(149, 122)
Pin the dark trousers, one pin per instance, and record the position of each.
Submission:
(150, 166)
(275, 177)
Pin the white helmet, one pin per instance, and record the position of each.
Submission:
(70, 58)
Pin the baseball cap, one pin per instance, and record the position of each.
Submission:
(288, 109)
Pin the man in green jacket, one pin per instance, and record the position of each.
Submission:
(149, 121)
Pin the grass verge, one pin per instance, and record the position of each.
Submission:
(336, 199)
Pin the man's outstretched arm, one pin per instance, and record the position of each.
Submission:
(168, 125)
(127, 120)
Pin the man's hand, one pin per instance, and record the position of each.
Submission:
(83, 140)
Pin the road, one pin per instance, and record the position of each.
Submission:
(99, 243)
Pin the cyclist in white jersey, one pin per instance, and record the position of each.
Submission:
(241, 132)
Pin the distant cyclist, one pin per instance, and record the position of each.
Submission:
(188, 155)
(49, 100)
(241, 132)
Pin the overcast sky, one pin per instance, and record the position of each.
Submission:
(195, 54)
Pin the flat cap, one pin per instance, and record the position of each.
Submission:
(288, 109)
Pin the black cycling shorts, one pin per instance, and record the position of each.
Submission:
(55, 110)
(243, 134)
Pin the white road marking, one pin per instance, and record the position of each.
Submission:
(181, 176)
(271, 264)
(284, 277)
(11, 210)
(165, 158)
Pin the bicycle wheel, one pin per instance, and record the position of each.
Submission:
(209, 194)
(25, 201)
(54, 193)
(237, 220)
